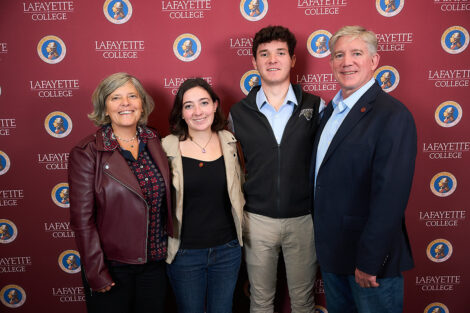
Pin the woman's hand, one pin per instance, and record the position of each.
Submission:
(107, 288)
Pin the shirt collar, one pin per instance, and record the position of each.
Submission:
(352, 99)
(261, 99)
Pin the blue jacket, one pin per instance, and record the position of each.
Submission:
(362, 188)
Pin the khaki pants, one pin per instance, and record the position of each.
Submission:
(264, 237)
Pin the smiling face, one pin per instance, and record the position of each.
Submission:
(124, 107)
(273, 63)
(198, 109)
(352, 64)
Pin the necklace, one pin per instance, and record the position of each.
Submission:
(126, 140)
(203, 149)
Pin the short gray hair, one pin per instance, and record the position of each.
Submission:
(106, 87)
(355, 31)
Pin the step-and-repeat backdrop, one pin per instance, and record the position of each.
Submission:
(54, 53)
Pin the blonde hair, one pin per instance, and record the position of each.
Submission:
(355, 31)
(108, 86)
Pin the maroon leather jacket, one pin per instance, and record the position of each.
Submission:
(108, 212)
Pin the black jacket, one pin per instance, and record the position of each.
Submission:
(277, 175)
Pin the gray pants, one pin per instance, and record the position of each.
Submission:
(263, 239)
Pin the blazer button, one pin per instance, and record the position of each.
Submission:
(106, 166)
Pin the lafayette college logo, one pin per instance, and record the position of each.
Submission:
(8, 231)
(443, 184)
(187, 47)
(117, 11)
(253, 10)
(389, 8)
(69, 261)
(249, 80)
(60, 195)
(12, 296)
(317, 43)
(4, 163)
(439, 250)
(51, 49)
(448, 114)
(436, 307)
(455, 40)
(387, 77)
(58, 124)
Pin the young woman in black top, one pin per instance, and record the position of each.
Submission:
(204, 252)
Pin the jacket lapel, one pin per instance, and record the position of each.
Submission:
(172, 150)
(326, 116)
(229, 154)
(362, 107)
(171, 147)
(117, 167)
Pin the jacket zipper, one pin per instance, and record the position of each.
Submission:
(294, 112)
(278, 185)
(146, 206)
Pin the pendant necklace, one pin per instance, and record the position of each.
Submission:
(126, 140)
(203, 149)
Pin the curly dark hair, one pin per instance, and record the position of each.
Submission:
(178, 125)
(271, 33)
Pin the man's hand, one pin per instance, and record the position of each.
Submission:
(365, 280)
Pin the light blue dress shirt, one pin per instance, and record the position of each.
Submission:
(341, 109)
(277, 119)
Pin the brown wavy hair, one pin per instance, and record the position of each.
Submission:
(178, 126)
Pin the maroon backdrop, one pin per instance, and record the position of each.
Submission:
(423, 45)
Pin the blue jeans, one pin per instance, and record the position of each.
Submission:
(344, 295)
(197, 274)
